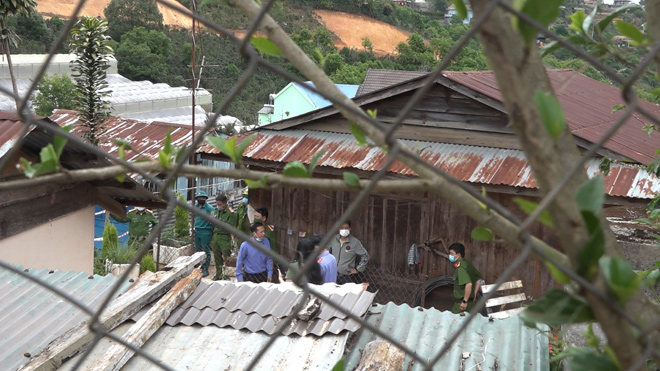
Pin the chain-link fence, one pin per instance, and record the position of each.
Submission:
(633, 333)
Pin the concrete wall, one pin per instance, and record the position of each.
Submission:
(290, 103)
(64, 243)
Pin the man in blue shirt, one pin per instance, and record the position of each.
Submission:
(203, 230)
(327, 261)
(258, 266)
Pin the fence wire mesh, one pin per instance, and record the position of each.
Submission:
(392, 286)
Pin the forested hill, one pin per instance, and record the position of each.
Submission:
(148, 49)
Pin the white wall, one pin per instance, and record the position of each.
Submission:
(65, 243)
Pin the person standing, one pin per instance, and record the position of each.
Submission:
(327, 261)
(467, 279)
(304, 250)
(351, 255)
(257, 265)
(243, 219)
(203, 230)
(140, 221)
(221, 241)
(261, 216)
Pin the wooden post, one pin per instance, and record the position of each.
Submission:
(117, 356)
(424, 277)
(148, 288)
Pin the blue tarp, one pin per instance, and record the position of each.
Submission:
(99, 224)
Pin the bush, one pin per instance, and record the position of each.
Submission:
(110, 241)
(181, 221)
(147, 263)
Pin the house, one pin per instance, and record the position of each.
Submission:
(294, 99)
(142, 100)
(451, 12)
(461, 128)
(52, 225)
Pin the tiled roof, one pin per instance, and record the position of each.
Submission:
(261, 307)
(494, 345)
(475, 164)
(32, 316)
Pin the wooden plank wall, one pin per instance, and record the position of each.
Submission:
(388, 224)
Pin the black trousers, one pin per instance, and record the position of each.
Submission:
(350, 278)
(255, 277)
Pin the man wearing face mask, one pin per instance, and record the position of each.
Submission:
(203, 230)
(252, 264)
(351, 255)
(140, 221)
(467, 279)
(221, 241)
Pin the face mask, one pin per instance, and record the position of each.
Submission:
(201, 202)
(140, 209)
(259, 239)
(222, 208)
(344, 232)
(245, 200)
(452, 258)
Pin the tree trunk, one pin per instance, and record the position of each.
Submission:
(5, 46)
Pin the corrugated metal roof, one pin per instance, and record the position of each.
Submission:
(498, 345)
(211, 349)
(10, 130)
(587, 105)
(31, 316)
(261, 307)
(473, 164)
(146, 138)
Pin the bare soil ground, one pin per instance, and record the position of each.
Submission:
(351, 28)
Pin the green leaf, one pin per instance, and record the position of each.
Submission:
(461, 9)
(649, 129)
(529, 206)
(586, 359)
(551, 113)
(607, 20)
(265, 46)
(358, 134)
(543, 11)
(604, 165)
(592, 251)
(164, 159)
(313, 161)
(254, 184)
(339, 366)
(557, 307)
(240, 149)
(295, 169)
(227, 147)
(577, 19)
(586, 25)
(558, 275)
(351, 179)
(620, 277)
(373, 113)
(167, 145)
(628, 30)
(618, 107)
(482, 234)
(591, 195)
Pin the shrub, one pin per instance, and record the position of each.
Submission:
(147, 263)
(181, 221)
(110, 240)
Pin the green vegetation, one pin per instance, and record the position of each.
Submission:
(54, 91)
(181, 221)
(147, 263)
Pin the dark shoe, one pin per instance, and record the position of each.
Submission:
(205, 274)
(215, 278)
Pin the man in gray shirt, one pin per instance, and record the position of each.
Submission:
(351, 256)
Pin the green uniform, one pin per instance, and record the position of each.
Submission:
(221, 242)
(465, 273)
(203, 234)
(139, 224)
(243, 221)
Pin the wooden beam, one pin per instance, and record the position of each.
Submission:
(117, 356)
(108, 203)
(119, 310)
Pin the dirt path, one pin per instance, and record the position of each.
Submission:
(351, 28)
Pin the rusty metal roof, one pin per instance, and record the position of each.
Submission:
(493, 345)
(482, 165)
(260, 307)
(10, 130)
(211, 348)
(377, 79)
(146, 138)
(32, 316)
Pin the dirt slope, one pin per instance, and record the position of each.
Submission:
(94, 8)
(351, 28)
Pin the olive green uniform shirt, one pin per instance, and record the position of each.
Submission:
(465, 273)
(139, 223)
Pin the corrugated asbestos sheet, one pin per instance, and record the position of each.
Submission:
(212, 349)
(31, 316)
(482, 165)
(146, 138)
(498, 345)
(261, 307)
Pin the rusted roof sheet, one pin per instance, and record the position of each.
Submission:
(146, 138)
(377, 79)
(482, 165)
(10, 130)
(260, 307)
(587, 105)
(32, 316)
(489, 345)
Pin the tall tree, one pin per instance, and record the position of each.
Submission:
(8, 8)
(89, 42)
(125, 15)
(142, 55)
